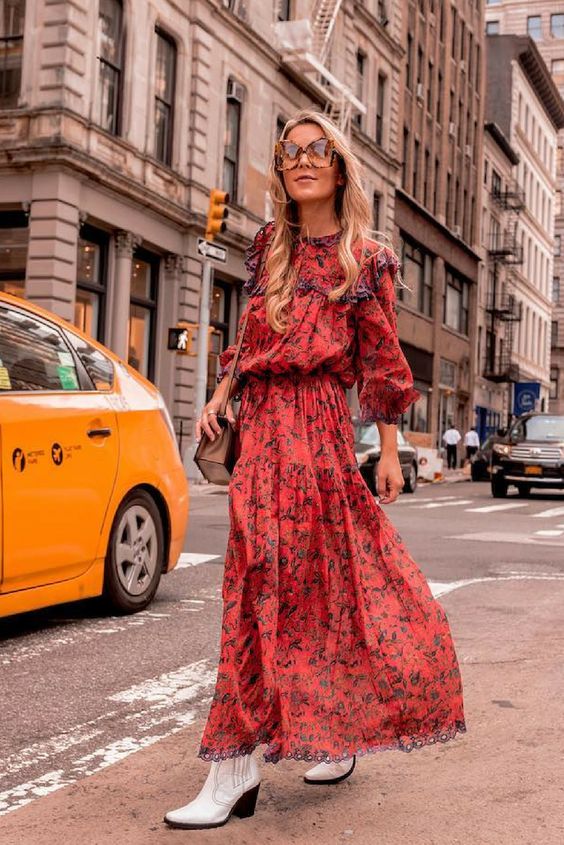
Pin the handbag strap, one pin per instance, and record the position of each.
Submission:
(223, 406)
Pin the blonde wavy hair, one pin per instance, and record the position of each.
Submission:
(352, 210)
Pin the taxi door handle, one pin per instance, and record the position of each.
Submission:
(99, 432)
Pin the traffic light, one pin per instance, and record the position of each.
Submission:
(217, 213)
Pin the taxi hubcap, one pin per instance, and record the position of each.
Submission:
(136, 549)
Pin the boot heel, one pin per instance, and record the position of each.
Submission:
(245, 806)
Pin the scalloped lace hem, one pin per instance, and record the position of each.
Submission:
(415, 742)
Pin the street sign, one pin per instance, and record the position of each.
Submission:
(209, 250)
(525, 396)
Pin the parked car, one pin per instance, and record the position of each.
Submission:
(480, 462)
(93, 495)
(367, 449)
(530, 454)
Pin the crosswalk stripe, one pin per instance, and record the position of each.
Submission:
(492, 508)
(550, 512)
(190, 559)
(549, 533)
(444, 504)
(409, 500)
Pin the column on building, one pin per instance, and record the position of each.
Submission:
(125, 243)
(53, 239)
(168, 316)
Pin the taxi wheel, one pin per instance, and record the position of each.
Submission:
(135, 554)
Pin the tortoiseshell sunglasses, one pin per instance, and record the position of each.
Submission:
(320, 153)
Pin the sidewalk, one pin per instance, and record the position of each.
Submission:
(498, 784)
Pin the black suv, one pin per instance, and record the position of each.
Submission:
(530, 454)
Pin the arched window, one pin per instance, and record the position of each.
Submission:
(110, 65)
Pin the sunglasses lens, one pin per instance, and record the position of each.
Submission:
(319, 153)
(287, 155)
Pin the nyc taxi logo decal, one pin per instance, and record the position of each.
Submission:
(57, 454)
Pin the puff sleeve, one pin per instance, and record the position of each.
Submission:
(253, 255)
(384, 378)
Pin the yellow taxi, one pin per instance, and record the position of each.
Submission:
(93, 494)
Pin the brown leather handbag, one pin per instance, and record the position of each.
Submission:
(216, 458)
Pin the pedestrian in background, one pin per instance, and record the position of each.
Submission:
(472, 442)
(451, 439)
(332, 643)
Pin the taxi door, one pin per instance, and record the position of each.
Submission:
(59, 443)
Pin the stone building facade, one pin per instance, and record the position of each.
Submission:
(529, 111)
(543, 21)
(438, 205)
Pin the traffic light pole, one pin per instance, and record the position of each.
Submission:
(201, 363)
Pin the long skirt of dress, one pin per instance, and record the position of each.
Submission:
(332, 643)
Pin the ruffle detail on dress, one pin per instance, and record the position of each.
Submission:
(374, 265)
(415, 742)
(252, 257)
(393, 400)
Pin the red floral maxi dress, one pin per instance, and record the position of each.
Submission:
(332, 643)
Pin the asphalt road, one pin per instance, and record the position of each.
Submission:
(102, 716)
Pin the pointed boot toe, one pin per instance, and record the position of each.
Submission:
(326, 773)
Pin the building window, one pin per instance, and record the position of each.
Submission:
(110, 58)
(223, 295)
(554, 333)
(496, 183)
(404, 158)
(554, 378)
(376, 209)
(12, 13)
(417, 272)
(556, 289)
(557, 66)
(534, 27)
(557, 26)
(409, 59)
(456, 298)
(492, 28)
(143, 312)
(165, 77)
(232, 138)
(557, 244)
(380, 108)
(360, 81)
(284, 11)
(92, 265)
(14, 235)
(416, 156)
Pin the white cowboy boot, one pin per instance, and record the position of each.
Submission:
(231, 786)
(325, 773)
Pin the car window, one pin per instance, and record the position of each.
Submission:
(33, 355)
(539, 428)
(99, 368)
(401, 439)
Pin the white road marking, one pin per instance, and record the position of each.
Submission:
(167, 697)
(412, 501)
(492, 508)
(190, 559)
(445, 504)
(549, 532)
(504, 537)
(441, 588)
(549, 512)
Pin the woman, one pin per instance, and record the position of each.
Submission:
(332, 644)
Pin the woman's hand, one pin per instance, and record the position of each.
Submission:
(208, 419)
(389, 478)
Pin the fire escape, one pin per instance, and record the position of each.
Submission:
(305, 48)
(503, 306)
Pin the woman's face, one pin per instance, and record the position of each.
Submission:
(307, 184)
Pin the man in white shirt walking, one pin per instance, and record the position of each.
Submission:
(451, 438)
(472, 442)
